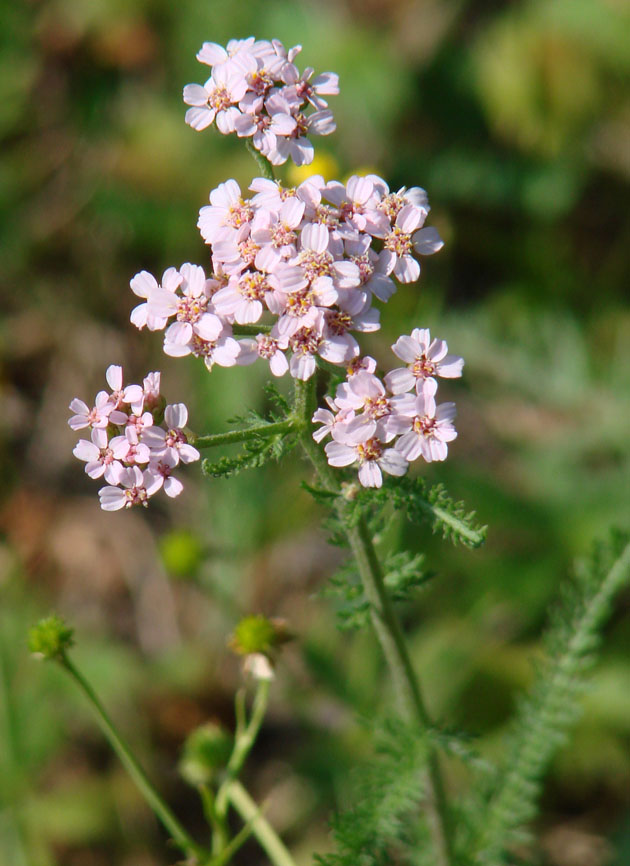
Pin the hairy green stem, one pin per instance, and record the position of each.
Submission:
(234, 436)
(180, 836)
(264, 165)
(386, 625)
(250, 330)
(269, 841)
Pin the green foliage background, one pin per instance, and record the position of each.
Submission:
(516, 119)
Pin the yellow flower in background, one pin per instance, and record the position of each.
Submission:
(361, 171)
(323, 163)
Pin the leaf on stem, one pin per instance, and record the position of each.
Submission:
(387, 792)
(403, 574)
(546, 713)
(431, 505)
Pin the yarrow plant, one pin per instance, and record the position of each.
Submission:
(294, 276)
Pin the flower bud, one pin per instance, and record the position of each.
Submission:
(206, 750)
(257, 634)
(50, 638)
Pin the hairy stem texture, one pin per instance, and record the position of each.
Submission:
(386, 626)
(234, 436)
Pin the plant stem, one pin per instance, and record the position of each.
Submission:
(233, 436)
(264, 165)
(269, 841)
(245, 739)
(386, 625)
(220, 833)
(250, 330)
(232, 792)
(180, 836)
(13, 779)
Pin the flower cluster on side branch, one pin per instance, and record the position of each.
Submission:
(368, 414)
(127, 448)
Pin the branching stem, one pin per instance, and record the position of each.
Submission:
(386, 625)
(269, 841)
(234, 436)
(232, 792)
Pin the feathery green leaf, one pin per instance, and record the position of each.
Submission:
(552, 705)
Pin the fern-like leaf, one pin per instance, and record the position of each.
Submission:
(384, 826)
(552, 705)
(430, 505)
(403, 574)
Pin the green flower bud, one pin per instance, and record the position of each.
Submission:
(257, 634)
(182, 553)
(50, 638)
(206, 750)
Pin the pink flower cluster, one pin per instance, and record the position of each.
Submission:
(368, 414)
(134, 456)
(303, 263)
(256, 91)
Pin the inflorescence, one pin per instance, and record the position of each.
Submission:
(256, 91)
(134, 455)
(294, 274)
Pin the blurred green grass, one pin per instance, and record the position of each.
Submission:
(516, 118)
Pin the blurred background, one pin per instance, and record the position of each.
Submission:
(516, 119)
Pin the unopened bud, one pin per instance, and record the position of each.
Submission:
(206, 750)
(50, 638)
(257, 634)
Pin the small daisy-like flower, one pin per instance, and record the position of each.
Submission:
(425, 360)
(173, 442)
(431, 429)
(256, 90)
(136, 489)
(99, 457)
(373, 459)
(96, 417)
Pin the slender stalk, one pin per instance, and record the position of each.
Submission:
(386, 625)
(220, 832)
(13, 779)
(232, 847)
(269, 841)
(232, 792)
(245, 739)
(233, 436)
(180, 836)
